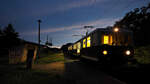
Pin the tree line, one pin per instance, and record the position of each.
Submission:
(137, 20)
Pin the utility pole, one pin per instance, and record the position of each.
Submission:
(47, 39)
(39, 21)
(86, 27)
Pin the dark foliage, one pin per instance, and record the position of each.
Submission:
(138, 21)
(8, 37)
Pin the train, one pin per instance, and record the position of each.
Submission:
(105, 45)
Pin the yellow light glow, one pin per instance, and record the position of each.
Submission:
(110, 40)
(70, 48)
(105, 52)
(128, 52)
(88, 41)
(116, 29)
(106, 39)
(78, 47)
(74, 46)
(84, 43)
(78, 50)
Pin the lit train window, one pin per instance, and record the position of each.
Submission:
(79, 45)
(89, 41)
(84, 43)
(106, 39)
(74, 46)
(70, 48)
(78, 50)
(110, 40)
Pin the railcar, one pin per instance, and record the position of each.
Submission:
(107, 46)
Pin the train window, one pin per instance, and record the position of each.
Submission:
(74, 46)
(78, 50)
(106, 39)
(89, 41)
(78, 47)
(70, 48)
(110, 40)
(84, 43)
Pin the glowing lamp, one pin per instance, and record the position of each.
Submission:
(78, 50)
(128, 52)
(105, 52)
(116, 29)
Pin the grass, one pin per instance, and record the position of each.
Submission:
(142, 54)
(15, 74)
(50, 57)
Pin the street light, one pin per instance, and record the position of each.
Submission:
(39, 21)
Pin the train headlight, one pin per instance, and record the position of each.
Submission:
(105, 52)
(128, 52)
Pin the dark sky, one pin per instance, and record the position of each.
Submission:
(62, 18)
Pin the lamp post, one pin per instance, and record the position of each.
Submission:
(39, 21)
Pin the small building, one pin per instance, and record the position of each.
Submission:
(19, 53)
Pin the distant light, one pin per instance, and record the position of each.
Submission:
(105, 52)
(116, 29)
(128, 52)
(78, 50)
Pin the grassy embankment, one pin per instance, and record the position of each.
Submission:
(50, 57)
(137, 72)
(142, 54)
(17, 74)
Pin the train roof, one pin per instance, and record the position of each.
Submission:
(104, 30)
(111, 30)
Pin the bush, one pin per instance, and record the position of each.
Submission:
(142, 54)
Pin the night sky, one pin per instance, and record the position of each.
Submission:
(62, 18)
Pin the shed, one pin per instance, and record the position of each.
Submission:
(18, 54)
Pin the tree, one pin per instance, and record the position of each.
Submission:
(138, 21)
(10, 32)
(1, 36)
(9, 37)
(1, 33)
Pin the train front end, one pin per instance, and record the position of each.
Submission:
(116, 46)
